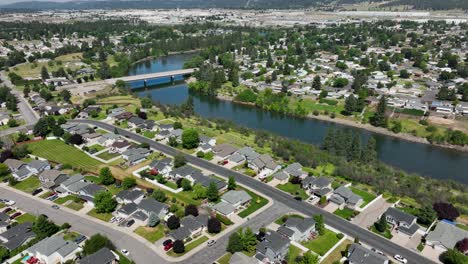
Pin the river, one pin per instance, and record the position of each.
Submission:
(423, 159)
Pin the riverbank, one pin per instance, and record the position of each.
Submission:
(169, 54)
(368, 127)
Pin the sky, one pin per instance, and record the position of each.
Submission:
(13, 1)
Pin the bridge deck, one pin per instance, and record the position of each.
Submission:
(151, 75)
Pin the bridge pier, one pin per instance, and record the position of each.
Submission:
(172, 78)
(144, 82)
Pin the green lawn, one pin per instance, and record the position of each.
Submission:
(114, 189)
(152, 234)
(367, 197)
(293, 253)
(74, 205)
(26, 218)
(149, 134)
(101, 216)
(106, 155)
(385, 234)
(123, 259)
(282, 219)
(336, 254)
(225, 259)
(293, 189)
(191, 245)
(28, 185)
(256, 203)
(63, 200)
(171, 185)
(57, 151)
(93, 179)
(346, 213)
(322, 244)
(97, 147)
(71, 236)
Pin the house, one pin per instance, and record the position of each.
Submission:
(102, 256)
(281, 176)
(318, 186)
(136, 155)
(130, 196)
(19, 170)
(264, 165)
(115, 112)
(119, 146)
(404, 222)
(248, 153)
(91, 138)
(182, 233)
(163, 166)
(295, 170)
(231, 202)
(166, 127)
(127, 209)
(223, 151)
(88, 192)
(17, 235)
(163, 134)
(343, 196)
(205, 181)
(177, 134)
(273, 248)
(241, 258)
(357, 254)
(207, 140)
(37, 166)
(53, 250)
(72, 185)
(236, 159)
(205, 148)
(192, 226)
(297, 229)
(52, 178)
(135, 122)
(445, 236)
(185, 171)
(149, 205)
(108, 139)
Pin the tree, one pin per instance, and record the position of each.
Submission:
(186, 185)
(190, 138)
(177, 125)
(179, 160)
(404, 74)
(249, 240)
(128, 183)
(191, 209)
(178, 247)
(426, 215)
(44, 73)
(319, 224)
(104, 202)
(41, 128)
(446, 211)
(199, 192)
(462, 245)
(173, 222)
(173, 141)
(66, 95)
(26, 91)
(43, 227)
(381, 225)
(232, 185)
(159, 196)
(379, 119)
(309, 258)
(235, 243)
(12, 123)
(95, 243)
(106, 176)
(452, 256)
(76, 139)
(4, 254)
(214, 225)
(212, 192)
(355, 150)
(153, 220)
(317, 83)
(4, 170)
(20, 151)
(369, 154)
(350, 105)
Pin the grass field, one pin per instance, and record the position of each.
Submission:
(26, 218)
(28, 185)
(293, 189)
(152, 234)
(322, 244)
(103, 216)
(367, 197)
(256, 203)
(34, 69)
(191, 245)
(106, 155)
(57, 151)
(345, 213)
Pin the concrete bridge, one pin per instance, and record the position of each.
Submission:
(145, 77)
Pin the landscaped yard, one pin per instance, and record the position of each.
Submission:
(256, 203)
(293, 253)
(191, 245)
(345, 213)
(106, 155)
(293, 189)
(71, 202)
(367, 197)
(102, 216)
(149, 134)
(386, 234)
(57, 151)
(26, 218)
(225, 259)
(71, 236)
(28, 185)
(96, 147)
(336, 254)
(321, 244)
(152, 234)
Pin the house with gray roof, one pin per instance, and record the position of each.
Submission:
(130, 196)
(150, 205)
(264, 165)
(198, 178)
(357, 254)
(273, 249)
(17, 235)
(295, 170)
(236, 198)
(102, 256)
(177, 134)
(88, 192)
(281, 176)
(163, 166)
(344, 197)
(207, 140)
(37, 166)
(72, 185)
(181, 233)
(223, 151)
(402, 221)
(445, 236)
(224, 208)
(19, 170)
(236, 159)
(320, 186)
(241, 258)
(249, 153)
(297, 229)
(52, 178)
(127, 209)
(163, 134)
(190, 226)
(136, 155)
(108, 139)
(53, 250)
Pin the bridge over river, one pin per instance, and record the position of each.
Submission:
(145, 77)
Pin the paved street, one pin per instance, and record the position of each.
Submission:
(344, 226)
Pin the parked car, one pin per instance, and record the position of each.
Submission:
(80, 239)
(130, 223)
(125, 252)
(7, 202)
(211, 243)
(55, 206)
(39, 190)
(167, 241)
(13, 216)
(8, 209)
(168, 246)
(377, 251)
(400, 259)
(113, 219)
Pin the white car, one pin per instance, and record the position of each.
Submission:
(211, 242)
(400, 259)
(7, 202)
(125, 252)
(113, 219)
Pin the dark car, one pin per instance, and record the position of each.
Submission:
(39, 190)
(168, 246)
(167, 242)
(130, 223)
(298, 198)
(7, 210)
(13, 216)
(80, 239)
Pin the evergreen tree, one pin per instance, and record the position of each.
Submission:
(379, 119)
(355, 151)
(44, 73)
(319, 224)
(329, 141)
(106, 176)
(212, 192)
(232, 183)
(350, 105)
(369, 154)
(269, 63)
(316, 84)
(235, 243)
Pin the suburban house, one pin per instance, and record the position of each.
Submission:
(72, 185)
(320, 186)
(248, 153)
(297, 229)
(273, 248)
(295, 170)
(241, 258)
(236, 159)
(91, 138)
(127, 209)
(402, 221)
(37, 166)
(108, 139)
(190, 227)
(88, 192)
(344, 197)
(52, 178)
(135, 122)
(163, 166)
(119, 146)
(223, 151)
(130, 196)
(205, 181)
(206, 144)
(17, 235)
(281, 176)
(357, 254)
(163, 134)
(53, 250)
(102, 256)
(136, 155)
(445, 236)
(150, 205)
(231, 202)
(20, 170)
(264, 165)
(166, 127)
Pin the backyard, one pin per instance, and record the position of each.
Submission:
(256, 203)
(367, 197)
(106, 155)
(321, 244)
(28, 185)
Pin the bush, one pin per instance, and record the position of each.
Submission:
(173, 222)
(214, 225)
(178, 247)
(339, 235)
(200, 154)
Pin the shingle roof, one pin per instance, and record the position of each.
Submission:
(17, 235)
(51, 175)
(53, 244)
(130, 194)
(224, 208)
(302, 224)
(400, 216)
(447, 234)
(360, 254)
(102, 256)
(280, 175)
(294, 169)
(273, 241)
(13, 164)
(38, 164)
(128, 209)
(234, 197)
(180, 233)
(151, 205)
(206, 180)
(91, 189)
(224, 150)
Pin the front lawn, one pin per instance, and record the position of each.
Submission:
(191, 245)
(149, 134)
(293, 253)
(256, 203)
(293, 189)
(321, 244)
(26, 218)
(152, 234)
(57, 151)
(101, 216)
(386, 234)
(345, 213)
(71, 202)
(106, 155)
(65, 199)
(28, 185)
(71, 236)
(225, 258)
(96, 147)
(337, 254)
(367, 197)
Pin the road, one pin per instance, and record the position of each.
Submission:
(151, 75)
(332, 220)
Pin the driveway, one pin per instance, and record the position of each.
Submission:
(432, 253)
(372, 213)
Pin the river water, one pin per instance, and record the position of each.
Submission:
(412, 157)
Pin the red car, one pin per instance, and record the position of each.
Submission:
(7, 210)
(13, 216)
(168, 246)
(225, 162)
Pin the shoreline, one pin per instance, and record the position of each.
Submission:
(368, 127)
(169, 54)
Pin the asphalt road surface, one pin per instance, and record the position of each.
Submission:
(332, 220)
